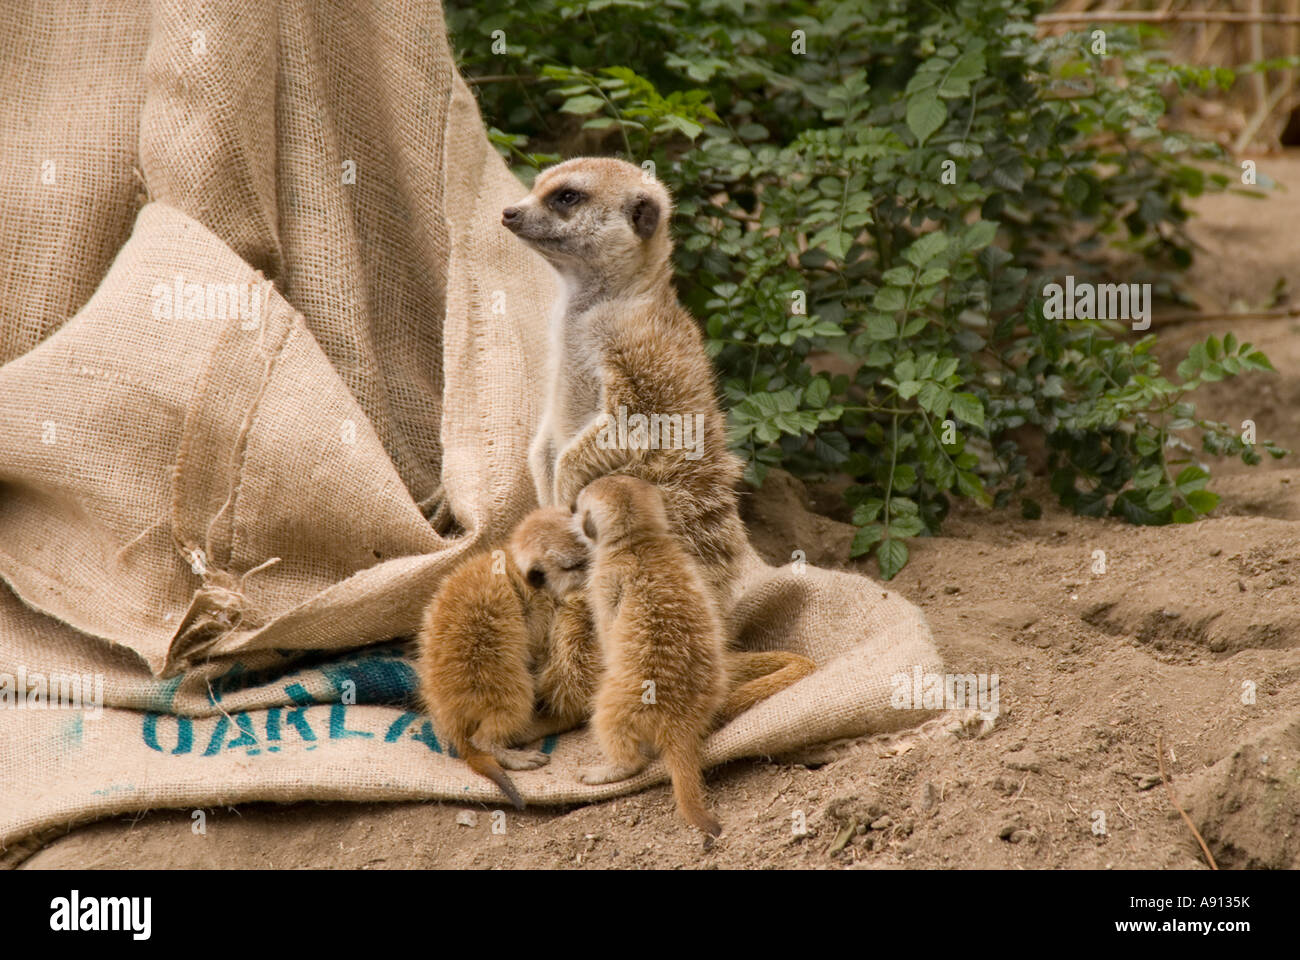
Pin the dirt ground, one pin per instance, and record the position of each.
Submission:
(1191, 634)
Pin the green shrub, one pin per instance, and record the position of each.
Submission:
(872, 197)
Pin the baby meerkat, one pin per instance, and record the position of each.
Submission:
(632, 388)
(661, 639)
(483, 633)
(565, 660)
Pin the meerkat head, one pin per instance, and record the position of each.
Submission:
(549, 552)
(601, 223)
(615, 506)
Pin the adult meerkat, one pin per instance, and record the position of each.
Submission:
(623, 348)
(621, 341)
(483, 635)
(661, 639)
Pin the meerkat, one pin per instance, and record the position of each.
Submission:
(482, 638)
(620, 340)
(661, 639)
(622, 348)
(564, 660)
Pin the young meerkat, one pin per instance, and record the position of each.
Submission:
(485, 631)
(564, 660)
(661, 639)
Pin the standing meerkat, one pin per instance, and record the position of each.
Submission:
(631, 387)
(622, 347)
(485, 632)
(661, 639)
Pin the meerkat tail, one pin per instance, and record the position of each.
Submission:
(683, 763)
(482, 762)
(755, 676)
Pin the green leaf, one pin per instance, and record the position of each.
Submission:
(1148, 477)
(586, 103)
(926, 113)
(925, 249)
(967, 406)
(979, 235)
(889, 299)
(1202, 501)
(867, 511)
(865, 538)
(881, 327)
(906, 527)
(817, 392)
(1191, 478)
(892, 557)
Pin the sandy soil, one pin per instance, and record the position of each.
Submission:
(1170, 641)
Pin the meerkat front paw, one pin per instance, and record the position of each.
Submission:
(608, 773)
(521, 759)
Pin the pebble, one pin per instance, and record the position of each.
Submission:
(467, 818)
(1025, 760)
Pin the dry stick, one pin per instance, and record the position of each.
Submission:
(1208, 36)
(1175, 16)
(1160, 756)
(1262, 113)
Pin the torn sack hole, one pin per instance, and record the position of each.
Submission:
(219, 606)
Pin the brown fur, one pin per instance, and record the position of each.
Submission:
(656, 622)
(473, 664)
(754, 675)
(506, 632)
(621, 339)
(565, 660)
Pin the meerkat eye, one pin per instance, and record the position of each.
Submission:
(537, 578)
(565, 197)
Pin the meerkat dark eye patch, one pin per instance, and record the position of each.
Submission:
(536, 578)
(644, 213)
(564, 198)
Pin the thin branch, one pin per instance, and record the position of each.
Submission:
(1160, 756)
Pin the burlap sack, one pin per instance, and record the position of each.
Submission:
(205, 506)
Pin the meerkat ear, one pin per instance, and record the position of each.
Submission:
(644, 213)
(589, 526)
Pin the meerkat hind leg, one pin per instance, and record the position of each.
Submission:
(624, 758)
